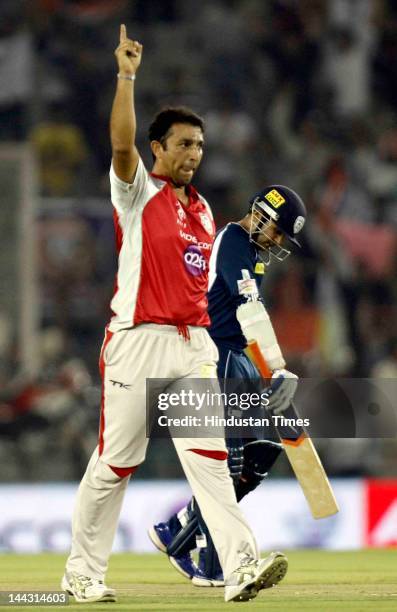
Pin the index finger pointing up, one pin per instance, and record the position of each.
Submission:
(123, 33)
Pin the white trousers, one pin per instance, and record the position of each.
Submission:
(128, 358)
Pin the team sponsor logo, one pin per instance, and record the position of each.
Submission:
(275, 198)
(247, 286)
(194, 260)
(298, 224)
(207, 246)
(206, 223)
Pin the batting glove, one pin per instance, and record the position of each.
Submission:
(281, 391)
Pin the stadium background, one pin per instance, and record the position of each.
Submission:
(301, 93)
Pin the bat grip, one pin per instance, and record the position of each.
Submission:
(255, 354)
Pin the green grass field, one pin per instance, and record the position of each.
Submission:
(317, 580)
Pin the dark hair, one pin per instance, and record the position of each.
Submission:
(162, 122)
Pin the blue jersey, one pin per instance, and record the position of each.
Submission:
(232, 252)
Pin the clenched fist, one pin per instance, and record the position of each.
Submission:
(128, 53)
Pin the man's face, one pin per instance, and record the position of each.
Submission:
(263, 232)
(269, 235)
(180, 154)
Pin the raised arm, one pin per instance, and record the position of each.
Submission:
(122, 119)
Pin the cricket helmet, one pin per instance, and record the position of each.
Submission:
(282, 206)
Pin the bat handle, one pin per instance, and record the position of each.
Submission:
(258, 359)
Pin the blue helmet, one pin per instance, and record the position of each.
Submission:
(283, 206)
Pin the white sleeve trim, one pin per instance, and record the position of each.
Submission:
(125, 195)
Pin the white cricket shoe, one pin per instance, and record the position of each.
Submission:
(85, 589)
(255, 574)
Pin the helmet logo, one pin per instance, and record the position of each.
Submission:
(275, 198)
(298, 224)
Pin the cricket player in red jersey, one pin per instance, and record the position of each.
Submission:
(164, 232)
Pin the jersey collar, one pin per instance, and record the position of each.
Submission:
(190, 190)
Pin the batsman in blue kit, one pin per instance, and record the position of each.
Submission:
(275, 214)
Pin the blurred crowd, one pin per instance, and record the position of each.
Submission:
(302, 93)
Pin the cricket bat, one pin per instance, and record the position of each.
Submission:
(301, 453)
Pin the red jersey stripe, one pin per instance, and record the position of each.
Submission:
(212, 454)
